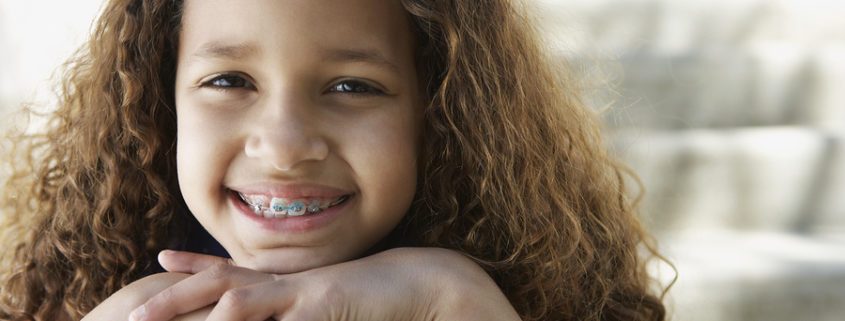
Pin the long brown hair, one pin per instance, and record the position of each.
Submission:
(92, 199)
(514, 173)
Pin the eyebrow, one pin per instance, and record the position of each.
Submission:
(229, 51)
(365, 56)
(241, 51)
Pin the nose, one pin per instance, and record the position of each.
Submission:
(286, 135)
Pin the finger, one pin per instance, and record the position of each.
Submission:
(196, 315)
(195, 292)
(260, 301)
(187, 262)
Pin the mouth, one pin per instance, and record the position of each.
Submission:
(277, 207)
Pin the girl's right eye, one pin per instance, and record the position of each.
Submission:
(228, 81)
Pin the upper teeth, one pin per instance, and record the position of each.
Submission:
(279, 207)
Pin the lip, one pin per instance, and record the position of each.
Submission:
(291, 224)
(291, 191)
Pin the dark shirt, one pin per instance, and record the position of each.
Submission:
(196, 240)
(199, 241)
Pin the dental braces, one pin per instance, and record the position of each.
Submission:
(278, 208)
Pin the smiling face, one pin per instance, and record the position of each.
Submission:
(297, 126)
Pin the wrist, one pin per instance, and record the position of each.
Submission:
(461, 290)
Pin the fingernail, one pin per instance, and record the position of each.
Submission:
(163, 254)
(138, 314)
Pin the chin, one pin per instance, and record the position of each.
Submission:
(286, 261)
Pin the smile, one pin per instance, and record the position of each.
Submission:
(276, 207)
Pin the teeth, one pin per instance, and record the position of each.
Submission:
(314, 207)
(339, 200)
(279, 208)
(254, 201)
(277, 205)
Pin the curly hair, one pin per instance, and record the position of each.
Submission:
(514, 173)
(93, 198)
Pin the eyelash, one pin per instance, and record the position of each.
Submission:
(234, 81)
(344, 86)
(355, 87)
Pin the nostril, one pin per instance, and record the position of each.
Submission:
(320, 149)
(251, 147)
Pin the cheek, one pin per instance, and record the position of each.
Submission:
(201, 153)
(189, 158)
(387, 160)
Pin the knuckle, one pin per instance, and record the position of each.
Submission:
(164, 296)
(234, 299)
(323, 296)
(331, 293)
(220, 271)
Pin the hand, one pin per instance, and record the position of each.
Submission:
(398, 284)
(118, 305)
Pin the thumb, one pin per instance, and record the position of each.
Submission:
(187, 262)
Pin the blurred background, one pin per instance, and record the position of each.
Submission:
(731, 112)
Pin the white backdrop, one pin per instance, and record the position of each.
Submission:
(36, 36)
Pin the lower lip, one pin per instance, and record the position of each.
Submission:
(290, 224)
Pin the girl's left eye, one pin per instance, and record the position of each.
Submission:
(355, 87)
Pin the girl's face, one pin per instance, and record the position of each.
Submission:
(298, 124)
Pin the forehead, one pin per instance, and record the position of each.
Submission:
(378, 28)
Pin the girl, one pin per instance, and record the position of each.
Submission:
(357, 160)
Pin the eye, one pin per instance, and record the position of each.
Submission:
(355, 87)
(228, 81)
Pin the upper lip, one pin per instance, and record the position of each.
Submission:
(296, 190)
